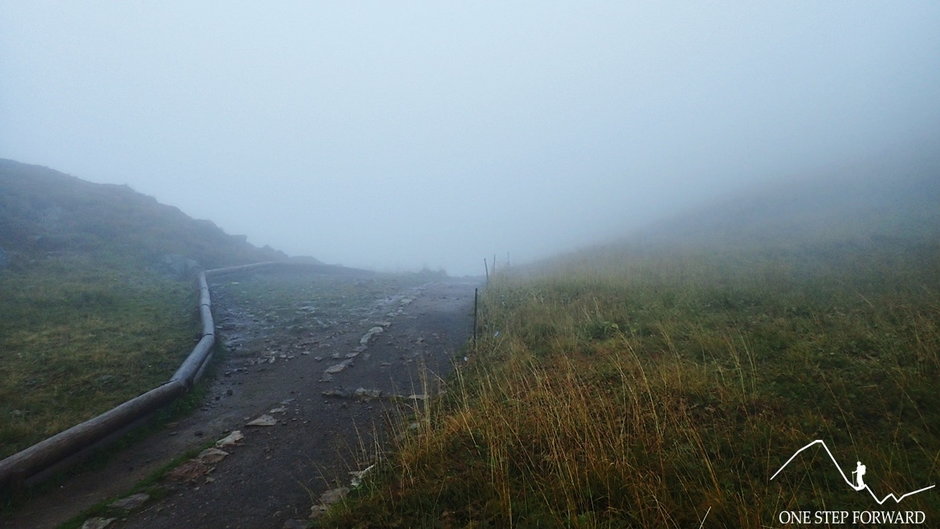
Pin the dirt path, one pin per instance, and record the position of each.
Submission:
(314, 354)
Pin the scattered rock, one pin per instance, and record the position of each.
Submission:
(413, 397)
(358, 475)
(279, 409)
(369, 334)
(131, 502)
(189, 471)
(231, 439)
(367, 394)
(336, 368)
(335, 393)
(264, 420)
(326, 499)
(211, 456)
(97, 523)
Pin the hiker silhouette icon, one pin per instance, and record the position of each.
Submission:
(859, 474)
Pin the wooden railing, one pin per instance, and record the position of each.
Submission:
(14, 470)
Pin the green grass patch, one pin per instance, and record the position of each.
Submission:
(79, 336)
(644, 388)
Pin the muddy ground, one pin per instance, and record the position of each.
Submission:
(326, 358)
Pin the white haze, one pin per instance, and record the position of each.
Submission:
(396, 135)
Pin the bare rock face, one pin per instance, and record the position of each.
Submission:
(4, 260)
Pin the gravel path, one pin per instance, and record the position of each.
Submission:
(317, 361)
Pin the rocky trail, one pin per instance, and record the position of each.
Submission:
(316, 365)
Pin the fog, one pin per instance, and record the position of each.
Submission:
(396, 135)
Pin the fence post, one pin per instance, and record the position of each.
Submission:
(475, 296)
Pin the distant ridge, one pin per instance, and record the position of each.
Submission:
(897, 499)
(898, 200)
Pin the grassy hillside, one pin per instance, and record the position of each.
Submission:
(95, 302)
(846, 206)
(44, 213)
(660, 382)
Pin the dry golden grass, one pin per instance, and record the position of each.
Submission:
(648, 390)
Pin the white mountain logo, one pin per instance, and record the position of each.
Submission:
(858, 482)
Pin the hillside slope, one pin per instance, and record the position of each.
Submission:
(46, 213)
(862, 203)
(96, 298)
(662, 380)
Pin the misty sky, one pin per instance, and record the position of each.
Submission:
(397, 135)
